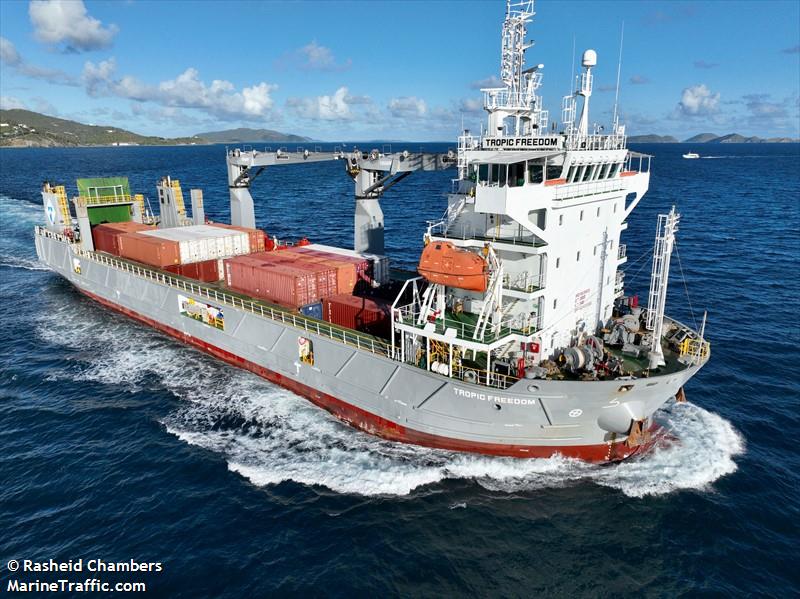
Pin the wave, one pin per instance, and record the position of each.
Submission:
(21, 262)
(269, 435)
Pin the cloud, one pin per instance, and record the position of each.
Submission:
(10, 57)
(312, 57)
(11, 103)
(57, 21)
(639, 80)
(335, 107)
(488, 82)
(702, 64)
(166, 115)
(187, 90)
(792, 50)
(407, 107)
(8, 53)
(697, 101)
(470, 105)
(44, 106)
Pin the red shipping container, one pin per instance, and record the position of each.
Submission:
(348, 270)
(327, 279)
(279, 281)
(149, 250)
(358, 313)
(105, 236)
(258, 239)
(207, 271)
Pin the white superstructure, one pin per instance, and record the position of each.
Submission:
(548, 200)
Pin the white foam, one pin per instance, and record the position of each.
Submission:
(21, 262)
(269, 435)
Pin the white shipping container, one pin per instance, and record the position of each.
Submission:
(198, 243)
(380, 263)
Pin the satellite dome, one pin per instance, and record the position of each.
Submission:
(589, 58)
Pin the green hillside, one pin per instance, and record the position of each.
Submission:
(246, 135)
(21, 128)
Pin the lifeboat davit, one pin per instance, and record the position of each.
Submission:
(441, 262)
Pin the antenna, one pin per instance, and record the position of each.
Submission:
(571, 91)
(615, 122)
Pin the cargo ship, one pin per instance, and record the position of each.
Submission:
(514, 337)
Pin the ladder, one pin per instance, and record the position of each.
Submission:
(139, 199)
(659, 279)
(61, 194)
(176, 186)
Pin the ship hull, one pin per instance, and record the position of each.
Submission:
(375, 393)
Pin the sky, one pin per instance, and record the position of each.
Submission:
(402, 70)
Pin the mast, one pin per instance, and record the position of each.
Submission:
(659, 278)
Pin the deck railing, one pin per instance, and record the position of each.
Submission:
(322, 329)
(299, 321)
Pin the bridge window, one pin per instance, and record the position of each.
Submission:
(497, 174)
(571, 174)
(535, 172)
(587, 173)
(483, 174)
(554, 172)
(578, 257)
(598, 211)
(581, 215)
(516, 174)
(560, 219)
(558, 262)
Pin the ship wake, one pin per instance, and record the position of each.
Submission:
(269, 435)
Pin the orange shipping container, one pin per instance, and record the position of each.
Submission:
(347, 269)
(208, 271)
(149, 250)
(106, 236)
(279, 281)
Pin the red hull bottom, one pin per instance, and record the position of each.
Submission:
(375, 425)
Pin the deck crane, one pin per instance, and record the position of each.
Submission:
(372, 172)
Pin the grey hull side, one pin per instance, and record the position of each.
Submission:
(531, 413)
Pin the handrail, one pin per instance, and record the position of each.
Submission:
(299, 321)
(115, 199)
(323, 329)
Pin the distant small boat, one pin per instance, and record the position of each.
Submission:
(691, 155)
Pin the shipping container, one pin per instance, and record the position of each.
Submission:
(325, 282)
(358, 313)
(257, 237)
(313, 310)
(287, 283)
(198, 243)
(347, 268)
(379, 264)
(208, 271)
(105, 236)
(148, 250)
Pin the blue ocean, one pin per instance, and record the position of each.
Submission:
(120, 444)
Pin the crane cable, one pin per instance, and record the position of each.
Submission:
(685, 287)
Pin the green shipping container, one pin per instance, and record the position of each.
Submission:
(109, 214)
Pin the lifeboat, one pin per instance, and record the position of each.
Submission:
(443, 263)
